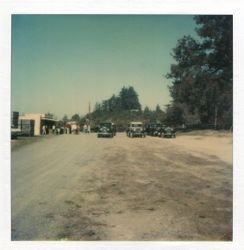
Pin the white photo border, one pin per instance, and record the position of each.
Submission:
(193, 7)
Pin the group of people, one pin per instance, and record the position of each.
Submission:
(54, 130)
(74, 129)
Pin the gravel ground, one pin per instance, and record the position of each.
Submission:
(79, 187)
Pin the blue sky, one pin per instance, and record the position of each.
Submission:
(60, 63)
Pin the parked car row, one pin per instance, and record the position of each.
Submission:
(136, 129)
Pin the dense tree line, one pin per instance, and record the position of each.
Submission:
(202, 77)
(122, 109)
(126, 100)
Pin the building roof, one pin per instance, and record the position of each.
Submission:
(46, 117)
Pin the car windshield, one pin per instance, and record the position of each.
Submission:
(107, 125)
(168, 129)
(136, 125)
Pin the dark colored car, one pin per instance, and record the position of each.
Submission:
(15, 133)
(106, 129)
(150, 129)
(155, 129)
(168, 132)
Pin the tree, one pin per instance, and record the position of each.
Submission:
(97, 107)
(202, 75)
(157, 109)
(76, 118)
(114, 103)
(125, 101)
(186, 74)
(159, 114)
(174, 115)
(129, 99)
(217, 34)
(65, 119)
(146, 110)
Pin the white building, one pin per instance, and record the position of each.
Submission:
(40, 120)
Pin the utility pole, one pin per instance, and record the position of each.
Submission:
(88, 122)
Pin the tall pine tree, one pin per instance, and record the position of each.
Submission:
(202, 78)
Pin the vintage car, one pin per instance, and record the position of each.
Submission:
(136, 129)
(155, 129)
(168, 132)
(15, 133)
(106, 129)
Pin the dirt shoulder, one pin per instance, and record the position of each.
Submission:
(219, 144)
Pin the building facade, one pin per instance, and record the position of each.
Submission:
(40, 120)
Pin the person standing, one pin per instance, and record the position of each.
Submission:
(44, 130)
(85, 128)
(53, 129)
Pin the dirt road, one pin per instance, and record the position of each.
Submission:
(79, 187)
